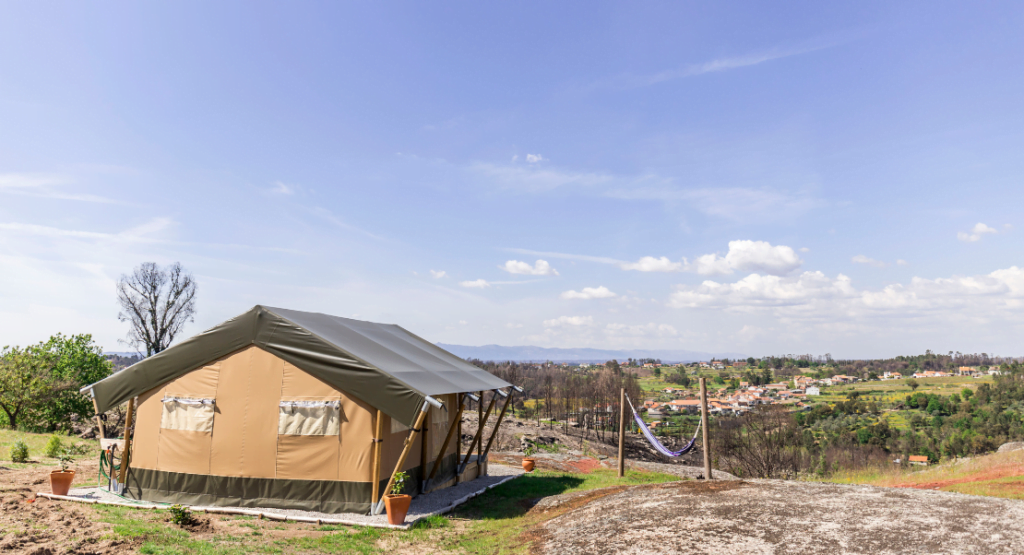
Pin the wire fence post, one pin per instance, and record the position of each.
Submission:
(622, 432)
(704, 422)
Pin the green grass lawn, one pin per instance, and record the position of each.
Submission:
(490, 523)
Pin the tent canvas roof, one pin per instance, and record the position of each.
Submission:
(381, 364)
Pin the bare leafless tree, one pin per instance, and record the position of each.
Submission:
(156, 302)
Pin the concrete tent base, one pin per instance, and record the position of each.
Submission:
(434, 503)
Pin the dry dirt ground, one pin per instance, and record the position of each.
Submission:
(774, 517)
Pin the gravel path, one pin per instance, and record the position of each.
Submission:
(776, 517)
(438, 502)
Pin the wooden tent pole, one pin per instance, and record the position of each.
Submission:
(501, 415)
(405, 453)
(378, 442)
(458, 444)
(622, 432)
(704, 422)
(424, 441)
(444, 446)
(479, 423)
(479, 432)
(99, 421)
(126, 455)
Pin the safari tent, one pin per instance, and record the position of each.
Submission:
(297, 410)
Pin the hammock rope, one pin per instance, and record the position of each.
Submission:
(654, 441)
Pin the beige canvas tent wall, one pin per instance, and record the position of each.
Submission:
(278, 408)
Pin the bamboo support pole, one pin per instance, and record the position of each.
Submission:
(378, 442)
(704, 423)
(479, 432)
(622, 432)
(405, 453)
(497, 424)
(99, 421)
(444, 447)
(126, 455)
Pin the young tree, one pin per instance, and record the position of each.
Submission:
(27, 382)
(79, 362)
(912, 383)
(157, 303)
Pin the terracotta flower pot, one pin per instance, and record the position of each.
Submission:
(528, 464)
(397, 506)
(60, 481)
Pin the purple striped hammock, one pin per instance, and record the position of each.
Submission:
(654, 441)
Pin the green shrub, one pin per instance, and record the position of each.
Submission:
(54, 446)
(182, 515)
(19, 452)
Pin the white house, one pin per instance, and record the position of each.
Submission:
(813, 390)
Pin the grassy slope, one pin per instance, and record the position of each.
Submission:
(993, 475)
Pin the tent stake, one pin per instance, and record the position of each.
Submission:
(444, 447)
(405, 453)
(126, 455)
(479, 432)
(501, 415)
(378, 441)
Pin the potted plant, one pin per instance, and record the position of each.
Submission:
(528, 461)
(60, 480)
(396, 503)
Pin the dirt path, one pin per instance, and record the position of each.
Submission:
(775, 517)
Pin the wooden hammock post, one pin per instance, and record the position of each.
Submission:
(405, 453)
(99, 421)
(501, 415)
(704, 423)
(479, 433)
(444, 446)
(622, 432)
(378, 442)
(126, 454)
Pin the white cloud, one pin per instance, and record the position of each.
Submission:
(861, 259)
(513, 326)
(587, 293)
(463, 322)
(651, 264)
(976, 233)
(642, 330)
(749, 256)
(536, 178)
(569, 321)
(534, 158)
(438, 274)
(477, 283)
(901, 262)
(541, 268)
(515, 157)
(282, 188)
(805, 249)
(758, 290)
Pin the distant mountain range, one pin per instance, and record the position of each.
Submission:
(542, 354)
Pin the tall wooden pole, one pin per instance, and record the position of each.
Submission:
(401, 458)
(622, 432)
(458, 443)
(378, 442)
(704, 423)
(480, 425)
(501, 415)
(424, 445)
(126, 454)
(478, 438)
(444, 446)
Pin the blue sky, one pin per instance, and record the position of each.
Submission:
(807, 177)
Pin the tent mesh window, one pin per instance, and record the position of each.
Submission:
(187, 413)
(309, 418)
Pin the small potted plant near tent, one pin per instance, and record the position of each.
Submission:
(60, 480)
(396, 503)
(528, 461)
